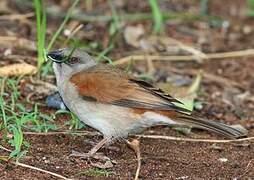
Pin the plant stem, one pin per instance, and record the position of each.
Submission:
(157, 16)
(67, 17)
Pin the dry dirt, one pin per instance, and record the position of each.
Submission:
(161, 159)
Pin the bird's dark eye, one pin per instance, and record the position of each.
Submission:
(73, 60)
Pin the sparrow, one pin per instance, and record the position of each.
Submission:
(116, 104)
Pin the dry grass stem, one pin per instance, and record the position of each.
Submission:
(19, 58)
(8, 160)
(80, 133)
(194, 140)
(41, 170)
(17, 17)
(4, 148)
(89, 133)
(166, 41)
(212, 56)
(135, 146)
(211, 77)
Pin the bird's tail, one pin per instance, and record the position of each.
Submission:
(217, 127)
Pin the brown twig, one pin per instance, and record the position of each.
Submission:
(81, 133)
(4, 148)
(7, 159)
(135, 146)
(212, 56)
(194, 140)
(246, 169)
(89, 133)
(73, 32)
(168, 41)
(19, 58)
(20, 17)
(47, 85)
(39, 169)
(211, 77)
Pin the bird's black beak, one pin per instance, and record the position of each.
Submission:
(56, 56)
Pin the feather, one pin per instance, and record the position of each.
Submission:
(105, 84)
(108, 85)
(217, 127)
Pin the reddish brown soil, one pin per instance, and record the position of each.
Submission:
(161, 159)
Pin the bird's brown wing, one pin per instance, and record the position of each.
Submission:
(110, 85)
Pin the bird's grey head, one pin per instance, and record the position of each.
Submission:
(68, 61)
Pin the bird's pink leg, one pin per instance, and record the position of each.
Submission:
(92, 153)
(98, 146)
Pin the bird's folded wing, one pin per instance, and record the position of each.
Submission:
(105, 84)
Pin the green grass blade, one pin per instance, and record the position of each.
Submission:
(37, 5)
(2, 103)
(40, 13)
(115, 24)
(204, 7)
(68, 15)
(43, 36)
(157, 16)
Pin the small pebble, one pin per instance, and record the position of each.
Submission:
(55, 101)
(223, 159)
(7, 52)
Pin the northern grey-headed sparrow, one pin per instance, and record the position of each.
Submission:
(116, 104)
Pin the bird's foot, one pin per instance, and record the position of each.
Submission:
(97, 156)
(111, 148)
(103, 162)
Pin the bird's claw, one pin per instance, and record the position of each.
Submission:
(97, 156)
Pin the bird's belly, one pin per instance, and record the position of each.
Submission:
(115, 121)
(110, 120)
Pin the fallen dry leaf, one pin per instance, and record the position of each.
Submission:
(13, 41)
(106, 165)
(17, 69)
(4, 8)
(223, 160)
(171, 44)
(40, 88)
(133, 34)
(186, 95)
